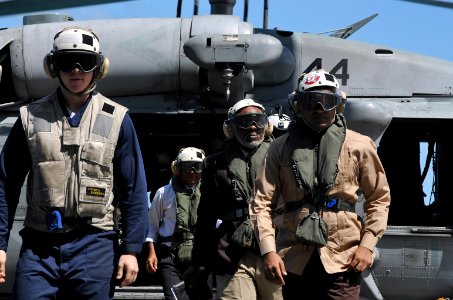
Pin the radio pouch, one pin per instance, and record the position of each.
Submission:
(312, 230)
(243, 235)
(185, 252)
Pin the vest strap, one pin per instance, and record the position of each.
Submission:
(334, 204)
(235, 214)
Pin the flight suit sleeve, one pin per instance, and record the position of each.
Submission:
(130, 181)
(265, 194)
(377, 196)
(15, 163)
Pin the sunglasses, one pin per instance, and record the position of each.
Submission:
(187, 166)
(246, 121)
(68, 61)
(309, 100)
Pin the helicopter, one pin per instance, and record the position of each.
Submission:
(178, 76)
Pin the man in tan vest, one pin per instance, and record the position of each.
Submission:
(83, 160)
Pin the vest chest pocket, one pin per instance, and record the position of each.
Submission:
(94, 197)
(96, 158)
(48, 184)
(95, 180)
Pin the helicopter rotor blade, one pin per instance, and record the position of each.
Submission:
(445, 4)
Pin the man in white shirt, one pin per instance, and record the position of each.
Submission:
(172, 219)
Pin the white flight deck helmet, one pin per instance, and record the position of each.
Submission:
(228, 131)
(78, 40)
(315, 79)
(189, 154)
(243, 104)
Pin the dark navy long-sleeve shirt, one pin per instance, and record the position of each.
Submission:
(129, 174)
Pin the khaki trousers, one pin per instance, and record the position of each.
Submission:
(248, 283)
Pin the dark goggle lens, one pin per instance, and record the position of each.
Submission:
(67, 61)
(309, 100)
(187, 166)
(246, 121)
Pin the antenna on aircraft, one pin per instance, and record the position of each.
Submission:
(246, 10)
(195, 7)
(178, 8)
(265, 13)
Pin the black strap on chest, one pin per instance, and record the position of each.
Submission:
(334, 204)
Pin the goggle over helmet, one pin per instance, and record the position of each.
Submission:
(308, 97)
(245, 121)
(68, 61)
(76, 47)
(189, 159)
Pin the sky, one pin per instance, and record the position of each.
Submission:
(402, 25)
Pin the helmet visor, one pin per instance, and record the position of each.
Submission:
(187, 166)
(68, 61)
(328, 101)
(246, 121)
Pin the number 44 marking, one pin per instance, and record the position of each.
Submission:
(340, 71)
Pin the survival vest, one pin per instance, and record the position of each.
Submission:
(186, 219)
(72, 169)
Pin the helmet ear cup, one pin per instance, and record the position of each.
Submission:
(103, 68)
(228, 131)
(49, 66)
(174, 168)
(268, 129)
(340, 108)
(293, 102)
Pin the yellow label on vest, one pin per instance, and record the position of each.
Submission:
(95, 191)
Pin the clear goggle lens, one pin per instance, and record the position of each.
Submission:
(246, 121)
(187, 166)
(68, 61)
(309, 100)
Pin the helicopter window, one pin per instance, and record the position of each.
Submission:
(417, 156)
(383, 52)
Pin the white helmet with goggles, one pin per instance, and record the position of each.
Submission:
(243, 104)
(74, 47)
(188, 159)
(317, 78)
(245, 121)
(317, 88)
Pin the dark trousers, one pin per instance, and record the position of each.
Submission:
(75, 265)
(316, 284)
(170, 269)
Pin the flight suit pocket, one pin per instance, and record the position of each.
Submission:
(345, 232)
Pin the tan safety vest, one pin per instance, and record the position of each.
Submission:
(72, 168)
